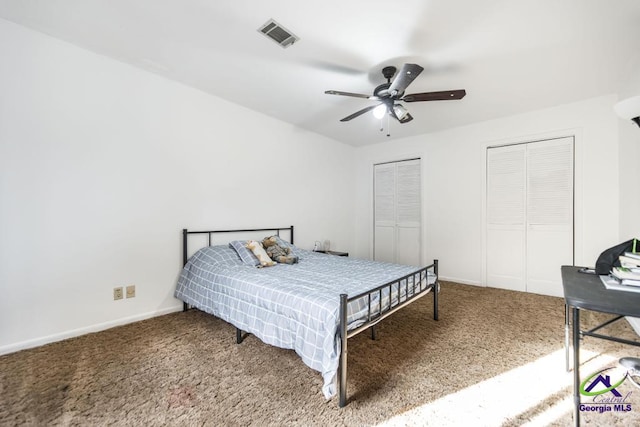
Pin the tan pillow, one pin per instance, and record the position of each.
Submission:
(260, 253)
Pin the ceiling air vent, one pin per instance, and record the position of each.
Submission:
(278, 33)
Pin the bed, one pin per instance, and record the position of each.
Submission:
(312, 307)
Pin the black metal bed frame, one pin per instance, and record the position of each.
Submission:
(373, 316)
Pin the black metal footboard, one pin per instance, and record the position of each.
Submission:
(406, 289)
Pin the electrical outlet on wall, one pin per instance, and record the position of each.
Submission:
(117, 293)
(131, 291)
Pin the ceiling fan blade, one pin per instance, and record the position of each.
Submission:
(359, 113)
(405, 76)
(435, 96)
(355, 95)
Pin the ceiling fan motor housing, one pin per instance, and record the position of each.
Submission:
(381, 91)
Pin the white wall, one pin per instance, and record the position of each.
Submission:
(629, 159)
(629, 169)
(102, 165)
(454, 174)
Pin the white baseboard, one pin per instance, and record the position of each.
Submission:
(461, 281)
(23, 345)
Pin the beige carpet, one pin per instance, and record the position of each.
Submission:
(494, 358)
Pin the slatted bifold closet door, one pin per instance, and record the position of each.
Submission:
(529, 215)
(397, 212)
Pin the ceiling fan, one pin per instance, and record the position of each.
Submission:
(390, 93)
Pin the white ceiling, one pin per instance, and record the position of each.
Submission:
(511, 56)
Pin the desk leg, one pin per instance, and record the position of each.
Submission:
(567, 340)
(576, 366)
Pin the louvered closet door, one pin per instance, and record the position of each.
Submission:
(408, 212)
(549, 214)
(397, 212)
(384, 237)
(506, 184)
(529, 215)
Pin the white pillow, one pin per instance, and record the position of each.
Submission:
(260, 253)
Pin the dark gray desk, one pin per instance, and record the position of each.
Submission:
(586, 292)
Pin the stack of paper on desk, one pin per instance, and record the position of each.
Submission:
(610, 282)
(626, 275)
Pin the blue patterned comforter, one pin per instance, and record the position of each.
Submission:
(290, 306)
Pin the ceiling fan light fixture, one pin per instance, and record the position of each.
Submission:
(400, 111)
(380, 111)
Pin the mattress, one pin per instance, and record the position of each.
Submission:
(292, 306)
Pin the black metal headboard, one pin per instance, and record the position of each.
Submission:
(185, 234)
